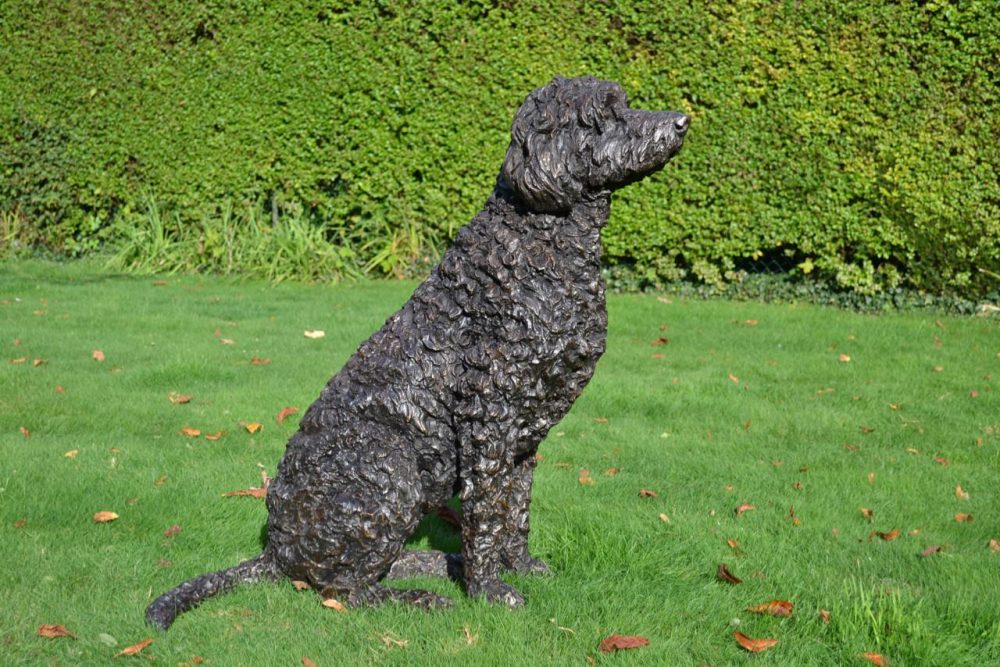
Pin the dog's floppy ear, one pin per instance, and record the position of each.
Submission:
(536, 166)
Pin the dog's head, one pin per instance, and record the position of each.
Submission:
(575, 139)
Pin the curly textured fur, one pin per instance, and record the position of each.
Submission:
(456, 390)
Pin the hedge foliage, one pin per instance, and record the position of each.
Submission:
(854, 141)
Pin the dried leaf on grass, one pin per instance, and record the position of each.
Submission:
(336, 605)
(724, 574)
(449, 516)
(961, 493)
(97, 355)
(620, 642)
(754, 645)
(962, 517)
(104, 516)
(782, 608)
(285, 413)
(179, 399)
(54, 631)
(875, 658)
(253, 492)
(134, 648)
(745, 507)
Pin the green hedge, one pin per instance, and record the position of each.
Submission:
(856, 142)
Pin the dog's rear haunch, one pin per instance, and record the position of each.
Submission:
(453, 394)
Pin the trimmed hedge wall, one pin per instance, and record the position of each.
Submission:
(858, 142)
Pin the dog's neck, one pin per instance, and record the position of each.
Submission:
(583, 217)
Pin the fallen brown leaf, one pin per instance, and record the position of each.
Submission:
(333, 603)
(825, 615)
(781, 608)
(214, 436)
(19, 361)
(867, 513)
(39, 362)
(962, 517)
(734, 379)
(315, 333)
(300, 585)
(646, 493)
(449, 516)
(60, 389)
(754, 645)
(745, 507)
(190, 432)
(961, 493)
(930, 551)
(53, 631)
(104, 516)
(308, 662)
(25, 432)
(660, 341)
(285, 413)
(585, 477)
(260, 361)
(172, 531)
(134, 648)
(844, 359)
(734, 545)
(724, 574)
(600, 420)
(179, 399)
(890, 536)
(71, 454)
(253, 492)
(253, 427)
(940, 460)
(875, 658)
(611, 472)
(620, 642)
(97, 355)
(995, 546)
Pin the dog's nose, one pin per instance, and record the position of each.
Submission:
(681, 124)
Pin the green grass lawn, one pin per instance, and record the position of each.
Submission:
(808, 414)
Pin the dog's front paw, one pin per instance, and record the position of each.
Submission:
(497, 592)
(529, 565)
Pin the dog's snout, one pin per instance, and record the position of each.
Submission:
(681, 124)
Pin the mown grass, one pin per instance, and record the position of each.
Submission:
(740, 403)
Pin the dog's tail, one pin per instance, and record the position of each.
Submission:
(190, 594)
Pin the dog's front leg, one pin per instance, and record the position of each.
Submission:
(514, 544)
(487, 470)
